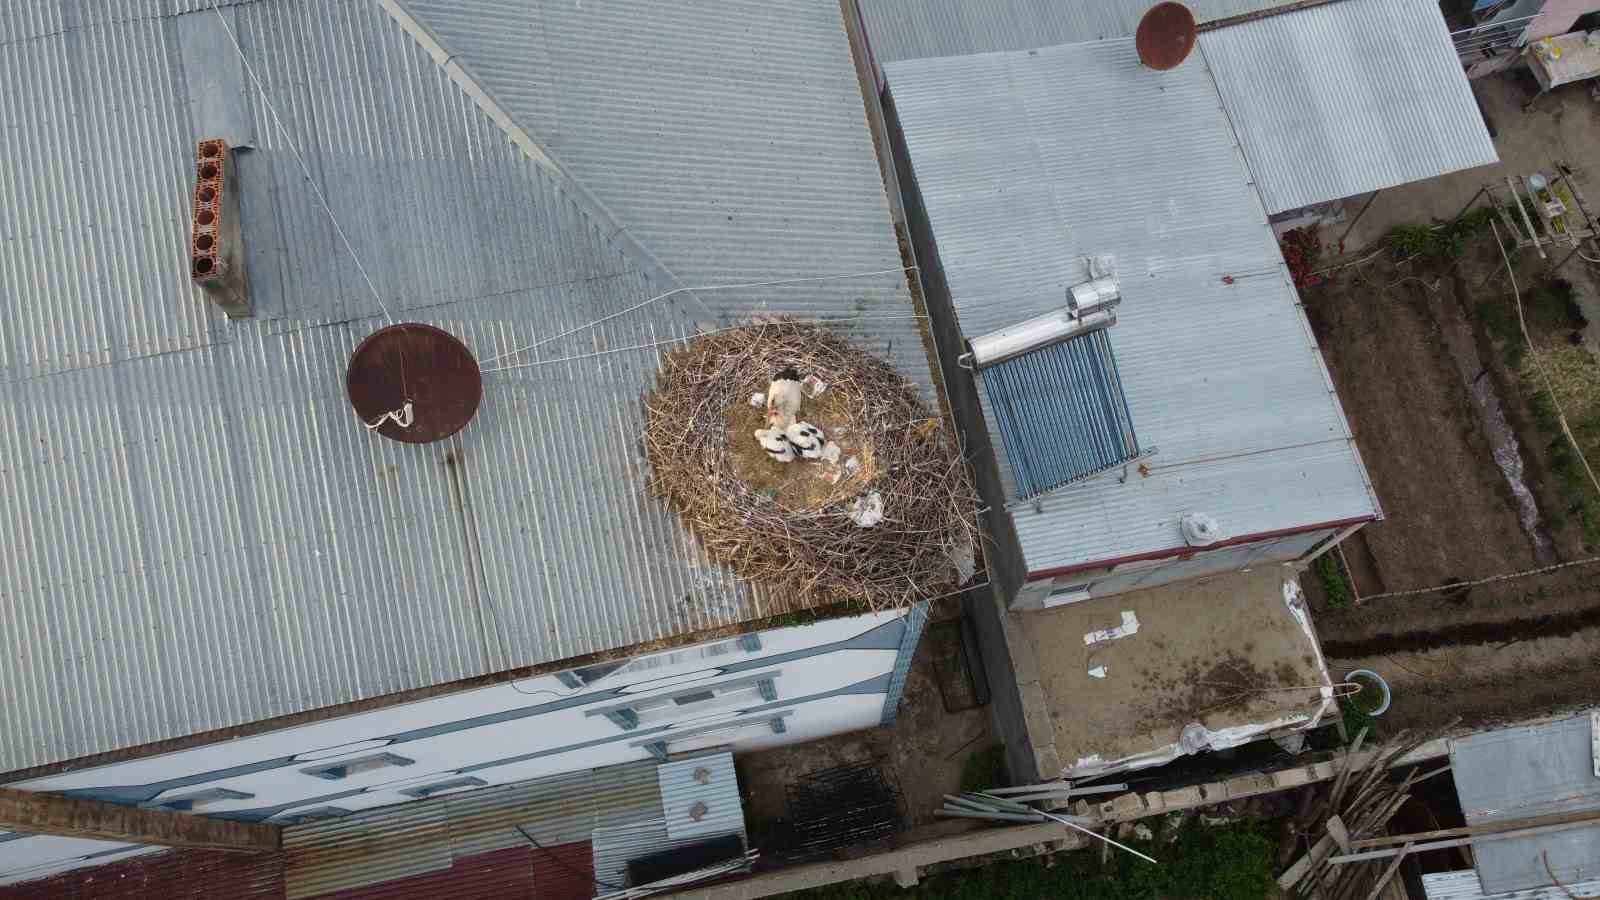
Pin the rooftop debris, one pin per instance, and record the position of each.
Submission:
(1008, 805)
(1354, 807)
(911, 494)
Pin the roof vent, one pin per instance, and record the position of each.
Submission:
(1165, 36)
(216, 259)
(414, 383)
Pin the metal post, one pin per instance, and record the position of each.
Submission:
(1480, 193)
(1364, 207)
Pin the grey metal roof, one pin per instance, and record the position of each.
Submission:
(190, 508)
(1027, 163)
(729, 138)
(915, 29)
(1345, 98)
(1060, 413)
(1523, 772)
(688, 784)
(1463, 885)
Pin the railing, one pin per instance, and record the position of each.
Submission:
(1490, 38)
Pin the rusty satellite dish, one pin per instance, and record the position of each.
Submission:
(1166, 35)
(418, 383)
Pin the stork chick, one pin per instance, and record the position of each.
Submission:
(807, 439)
(783, 399)
(776, 444)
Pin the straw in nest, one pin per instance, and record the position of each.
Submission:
(812, 554)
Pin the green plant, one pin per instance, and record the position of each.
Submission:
(984, 769)
(1367, 700)
(1355, 720)
(1333, 581)
(1441, 241)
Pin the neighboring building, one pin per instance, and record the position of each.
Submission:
(1028, 146)
(1328, 100)
(220, 594)
(1502, 30)
(1547, 769)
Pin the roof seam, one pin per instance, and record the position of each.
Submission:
(497, 113)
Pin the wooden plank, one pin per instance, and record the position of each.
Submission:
(40, 812)
(1454, 842)
(1298, 870)
(1383, 880)
(1339, 833)
(1591, 815)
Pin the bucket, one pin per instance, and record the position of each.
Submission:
(1369, 680)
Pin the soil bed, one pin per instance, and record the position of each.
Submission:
(1489, 652)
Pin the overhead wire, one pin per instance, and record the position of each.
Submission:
(707, 287)
(294, 149)
(669, 341)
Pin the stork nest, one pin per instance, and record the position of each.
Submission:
(789, 527)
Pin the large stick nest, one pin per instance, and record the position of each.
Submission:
(805, 547)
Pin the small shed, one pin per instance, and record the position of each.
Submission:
(1547, 769)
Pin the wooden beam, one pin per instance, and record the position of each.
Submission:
(40, 812)
(1383, 880)
(1453, 842)
(1591, 815)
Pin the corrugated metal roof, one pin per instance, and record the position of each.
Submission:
(1060, 413)
(398, 841)
(705, 785)
(1517, 773)
(556, 810)
(191, 510)
(729, 138)
(352, 851)
(164, 875)
(1464, 885)
(564, 872)
(1023, 176)
(500, 875)
(1345, 98)
(915, 29)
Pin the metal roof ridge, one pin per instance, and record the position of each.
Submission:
(591, 205)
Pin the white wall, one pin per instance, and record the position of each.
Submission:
(830, 677)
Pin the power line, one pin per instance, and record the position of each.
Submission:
(1458, 585)
(294, 148)
(707, 287)
(653, 344)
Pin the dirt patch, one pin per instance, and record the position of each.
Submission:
(1216, 651)
(924, 752)
(802, 485)
(1492, 652)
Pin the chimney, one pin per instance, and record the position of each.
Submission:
(216, 254)
(1165, 36)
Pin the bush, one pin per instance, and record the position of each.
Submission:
(1439, 242)
(1333, 581)
(1302, 250)
(1355, 720)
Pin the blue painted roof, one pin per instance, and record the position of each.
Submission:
(1061, 413)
